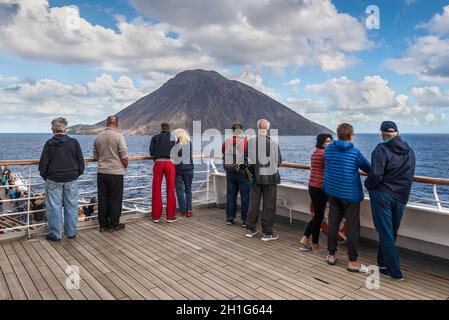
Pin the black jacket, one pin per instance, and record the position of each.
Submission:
(392, 169)
(61, 159)
(265, 168)
(161, 145)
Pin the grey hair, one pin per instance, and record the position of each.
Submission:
(262, 120)
(59, 124)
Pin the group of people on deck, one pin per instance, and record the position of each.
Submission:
(251, 167)
(335, 179)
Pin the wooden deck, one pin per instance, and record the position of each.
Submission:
(194, 258)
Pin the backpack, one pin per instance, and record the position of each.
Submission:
(233, 167)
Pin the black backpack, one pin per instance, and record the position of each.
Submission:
(233, 167)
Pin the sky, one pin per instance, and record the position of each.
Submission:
(331, 61)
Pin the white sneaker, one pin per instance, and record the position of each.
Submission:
(250, 233)
(269, 237)
(156, 221)
(171, 221)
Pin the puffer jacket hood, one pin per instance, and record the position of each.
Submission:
(343, 145)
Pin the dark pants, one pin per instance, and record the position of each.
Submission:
(387, 215)
(237, 182)
(319, 202)
(351, 212)
(110, 197)
(268, 193)
(183, 185)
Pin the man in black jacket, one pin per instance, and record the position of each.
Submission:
(389, 183)
(160, 148)
(264, 154)
(60, 166)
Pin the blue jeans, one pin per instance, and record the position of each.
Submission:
(237, 182)
(387, 215)
(183, 185)
(57, 196)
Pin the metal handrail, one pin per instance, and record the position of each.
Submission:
(27, 184)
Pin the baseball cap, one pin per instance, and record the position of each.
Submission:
(388, 126)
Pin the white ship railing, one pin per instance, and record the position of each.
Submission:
(12, 220)
(10, 223)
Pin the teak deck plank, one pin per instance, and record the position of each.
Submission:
(194, 258)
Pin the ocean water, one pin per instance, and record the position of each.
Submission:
(432, 151)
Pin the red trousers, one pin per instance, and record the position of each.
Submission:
(160, 169)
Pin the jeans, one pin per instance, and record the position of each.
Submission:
(237, 182)
(387, 215)
(351, 212)
(110, 199)
(319, 202)
(183, 185)
(57, 196)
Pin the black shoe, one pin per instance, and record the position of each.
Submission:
(230, 222)
(53, 238)
(103, 229)
(118, 227)
(71, 237)
(386, 273)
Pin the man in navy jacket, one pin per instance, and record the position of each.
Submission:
(60, 165)
(160, 149)
(389, 183)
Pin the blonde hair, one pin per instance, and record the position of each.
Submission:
(182, 135)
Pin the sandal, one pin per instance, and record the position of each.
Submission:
(330, 262)
(361, 269)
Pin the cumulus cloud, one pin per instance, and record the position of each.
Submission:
(255, 80)
(210, 35)
(366, 101)
(293, 84)
(47, 98)
(269, 33)
(308, 105)
(59, 34)
(431, 96)
(8, 11)
(373, 92)
(439, 24)
(7, 79)
(428, 56)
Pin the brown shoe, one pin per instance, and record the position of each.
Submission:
(189, 214)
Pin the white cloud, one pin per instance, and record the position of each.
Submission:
(47, 98)
(373, 92)
(430, 96)
(428, 56)
(370, 100)
(293, 84)
(439, 24)
(7, 79)
(308, 105)
(255, 80)
(59, 34)
(272, 34)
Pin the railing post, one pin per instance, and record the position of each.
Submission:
(29, 203)
(437, 198)
(207, 180)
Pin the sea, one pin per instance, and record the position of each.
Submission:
(432, 157)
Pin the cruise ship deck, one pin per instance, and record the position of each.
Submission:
(195, 258)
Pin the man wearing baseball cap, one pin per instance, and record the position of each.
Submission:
(389, 183)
